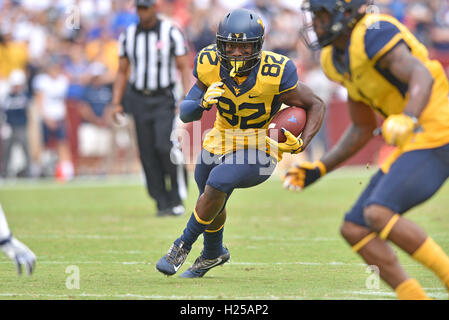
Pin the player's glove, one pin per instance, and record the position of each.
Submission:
(212, 94)
(20, 254)
(291, 145)
(301, 175)
(397, 129)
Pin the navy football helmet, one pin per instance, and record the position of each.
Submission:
(344, 14)
(240, 26)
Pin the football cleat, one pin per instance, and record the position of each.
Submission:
(173, 260)
(164, 212)
(178, 210)
(202, 265)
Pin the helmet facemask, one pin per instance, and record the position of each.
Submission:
(308, 33)
(342, 19)
(241, 65)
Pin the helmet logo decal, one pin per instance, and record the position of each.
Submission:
(259, 21)
(238, 36)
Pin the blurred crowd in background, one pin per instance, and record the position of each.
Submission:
(58, 59)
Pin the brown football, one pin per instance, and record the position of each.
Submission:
(292, 119)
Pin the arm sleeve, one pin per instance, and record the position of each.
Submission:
(195, 66)
(190, 108)
(289, 77)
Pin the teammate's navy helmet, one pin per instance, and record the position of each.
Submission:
(344, 14)
(240, 26)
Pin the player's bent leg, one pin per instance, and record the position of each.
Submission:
(411, 238)
(241, 169)
(374, 251)
(404, 233)
(412, 179)
(200, 219)
(209, 204)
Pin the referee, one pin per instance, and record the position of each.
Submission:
(149, 54)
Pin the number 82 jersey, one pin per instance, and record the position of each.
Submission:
(247, 105)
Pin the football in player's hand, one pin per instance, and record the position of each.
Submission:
(292, 119)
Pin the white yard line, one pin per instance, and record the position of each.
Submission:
(85, 262)
(136, 180)
(230, 263)
(233, 237)
(121, 237)
(72, 294)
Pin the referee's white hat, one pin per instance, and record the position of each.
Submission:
(17, 78)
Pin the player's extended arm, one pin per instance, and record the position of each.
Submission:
(354, 138)
(404, 66)
(398, 128)
(303, 96)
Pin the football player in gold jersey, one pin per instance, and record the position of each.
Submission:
(248, 86)
(385, 69)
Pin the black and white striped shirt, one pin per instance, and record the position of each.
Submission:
(152, 53)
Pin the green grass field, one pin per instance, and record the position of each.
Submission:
(283, 245)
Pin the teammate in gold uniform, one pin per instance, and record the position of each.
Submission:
(385, 69)
(248, 86)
